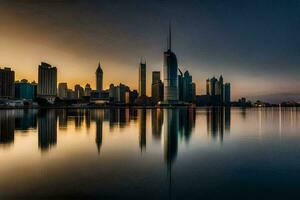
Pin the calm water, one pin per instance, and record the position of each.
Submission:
(150, 154)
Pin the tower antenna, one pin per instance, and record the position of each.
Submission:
(170, 36)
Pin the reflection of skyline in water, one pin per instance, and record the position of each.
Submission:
(170, 125)
(218, 122)
(47, 129)
(178, 146)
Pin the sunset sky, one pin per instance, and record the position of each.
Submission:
(254, 44)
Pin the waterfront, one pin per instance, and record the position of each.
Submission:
(208, 153)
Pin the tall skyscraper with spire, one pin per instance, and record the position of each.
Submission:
(99, 78)
(170, 68)
(142, 78)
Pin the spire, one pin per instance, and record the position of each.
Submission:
(99, 69)
(170, 36)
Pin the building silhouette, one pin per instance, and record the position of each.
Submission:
(47, 82)
(99, 78)
(170, 67)
(7, 83)
(25, 90)
(227, 94)
(217, 93)
(142, 79)
(87, 90)
(63, 90)
(79, 92)
(157, 88)
(186, 87)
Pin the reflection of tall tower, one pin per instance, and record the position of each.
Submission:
(227, 119)
(157, 122)
(170, 74)
(7, 127)
(99, 124)
(142, 126)
(171, 127)
(87, 118)
(47, 132)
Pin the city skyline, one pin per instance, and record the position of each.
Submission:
(245, 55)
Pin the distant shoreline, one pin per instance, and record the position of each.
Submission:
(135, 107)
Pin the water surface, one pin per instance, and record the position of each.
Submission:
(207, 153)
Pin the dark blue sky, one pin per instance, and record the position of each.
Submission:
(254, 44)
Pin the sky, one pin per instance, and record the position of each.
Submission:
(254, 44)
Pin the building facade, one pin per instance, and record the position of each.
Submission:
(142, 79)
(25, 90)
(157, 88)
(227, 94)
(63, 90)
(170, 68)
(7, 83)
(47, 81)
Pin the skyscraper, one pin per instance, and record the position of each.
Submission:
(63, 90)
(99, 78)
(207, 86)
(142, 79)
(213, 85)
(185, 87)
(47, 81)
(7, 82)
(170, 68)
(227, 95)
(221, 89)
(157, 87)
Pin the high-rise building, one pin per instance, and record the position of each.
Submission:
(213, 85)
(142, 79)
(120, 92)
(180, 85)
(63, 90)
(25, 90)
(185, 87)
(99, 78)
(193, 92)
(157, 87)
(7, 82)
(207, 87)
(221, 88)
(79, 92)
(47, 81)
(112, 93)
(170, 68)
(227, 95)
(87, 90)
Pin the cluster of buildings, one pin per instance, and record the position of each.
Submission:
(217, 93)
(173, 88)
